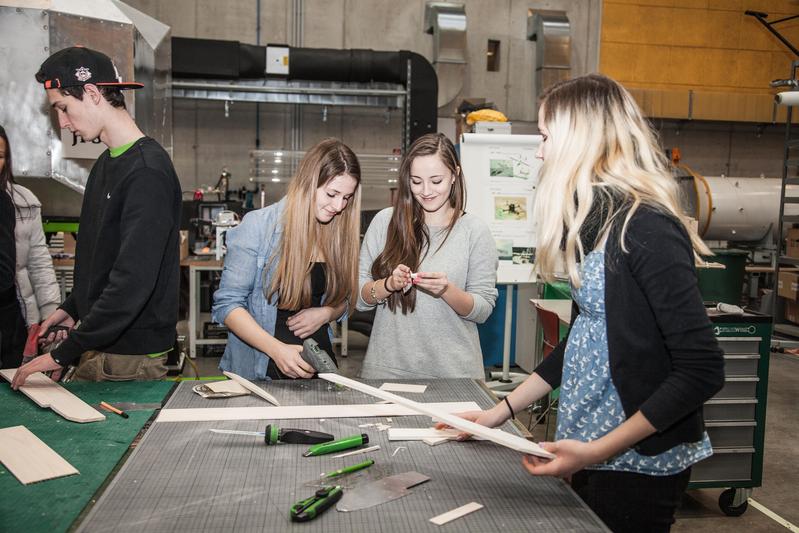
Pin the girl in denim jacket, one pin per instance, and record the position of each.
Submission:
(292, 267)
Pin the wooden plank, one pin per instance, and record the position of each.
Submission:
(47, 393)
(287, 412)
(403, 387)
(30, 459)
(449, 516)
(252, 387)
(498, 436)
(425, 434)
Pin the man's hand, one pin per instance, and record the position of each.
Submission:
(306, 322)
(59, 317)
(42, 363)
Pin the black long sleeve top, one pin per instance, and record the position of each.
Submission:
(127, 279)
(664, 359)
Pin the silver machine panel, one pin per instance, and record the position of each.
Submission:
(28, 35)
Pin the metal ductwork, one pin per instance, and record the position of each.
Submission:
(446, 21)
(139, 46)
(328, 72)
(551, 31)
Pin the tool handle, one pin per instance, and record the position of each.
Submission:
(312, 507)
(339, 445)
(304, 436)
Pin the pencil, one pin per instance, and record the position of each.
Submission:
(113, 409)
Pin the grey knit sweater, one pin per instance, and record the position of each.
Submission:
(433, 341)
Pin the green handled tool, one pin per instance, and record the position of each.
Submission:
(310, 508)
(350, 469)
(273, 435)
(337, 445)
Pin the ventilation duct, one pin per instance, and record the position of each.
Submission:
(551, 32)
(446, 21)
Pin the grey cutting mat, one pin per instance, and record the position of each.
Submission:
(181, 477)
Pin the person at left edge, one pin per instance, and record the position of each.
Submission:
(291, 268)
(125, 295)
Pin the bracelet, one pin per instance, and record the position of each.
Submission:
(373, 293)
(512, 414)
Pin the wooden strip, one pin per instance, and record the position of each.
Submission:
(403, 387)
(30, 459)
(228, 386)
(47, 393)
(358, 452)
(493, 434)
(425, 434)
(252, 387)
(449, 516)
(436, 441)
(286, 412)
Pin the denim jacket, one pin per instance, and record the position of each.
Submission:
(249, 247)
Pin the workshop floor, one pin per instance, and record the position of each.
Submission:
(700, 511)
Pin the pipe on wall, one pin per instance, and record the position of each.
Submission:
(214, 59)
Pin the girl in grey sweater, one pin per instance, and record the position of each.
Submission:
(430, 268)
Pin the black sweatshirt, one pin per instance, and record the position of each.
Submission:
(126, 285)
(664, 359)
(8, 251)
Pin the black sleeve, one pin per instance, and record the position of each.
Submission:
(661, 260)
(8, 251)
(69, 306)
(551, 368)
(148, 219)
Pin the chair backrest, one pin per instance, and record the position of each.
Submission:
(550, 325)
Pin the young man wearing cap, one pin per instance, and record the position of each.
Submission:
(126, 281)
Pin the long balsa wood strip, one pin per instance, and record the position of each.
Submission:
(424, 434)
(287, 412)
(493, 434)
(30, 459)
(47, 393)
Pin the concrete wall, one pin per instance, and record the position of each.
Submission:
(205, 140)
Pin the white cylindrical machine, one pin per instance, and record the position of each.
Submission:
(735, 209)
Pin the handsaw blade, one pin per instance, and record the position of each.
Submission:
(380, 491)
(237, 432)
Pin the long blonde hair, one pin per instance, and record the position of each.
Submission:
(303, 234)
(599, 144)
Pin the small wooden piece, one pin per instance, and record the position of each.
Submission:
(258, 391)
(403, 387)
(47, 393)
(30, 459)
(435, 436)
(498, 436)
(301, 411)
(449, 516)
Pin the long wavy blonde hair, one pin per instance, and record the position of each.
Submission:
(599, 146)
(305, 238)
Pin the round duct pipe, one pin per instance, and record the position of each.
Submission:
(734, 209)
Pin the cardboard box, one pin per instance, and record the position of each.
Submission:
(792, 311)
(788, 286)
(69, 243)
(792, 243)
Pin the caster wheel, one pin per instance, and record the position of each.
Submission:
(725, 504)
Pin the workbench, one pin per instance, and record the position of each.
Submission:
(95, 449)
(182, 477)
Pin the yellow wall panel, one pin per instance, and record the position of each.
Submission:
(666, 49)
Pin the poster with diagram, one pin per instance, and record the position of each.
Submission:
(501, 173)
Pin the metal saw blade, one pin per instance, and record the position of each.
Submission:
(380, 491)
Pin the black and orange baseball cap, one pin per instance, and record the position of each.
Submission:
(78, 66)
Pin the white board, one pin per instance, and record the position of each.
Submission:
(501, 174)
(493, 434)
(289, 412)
